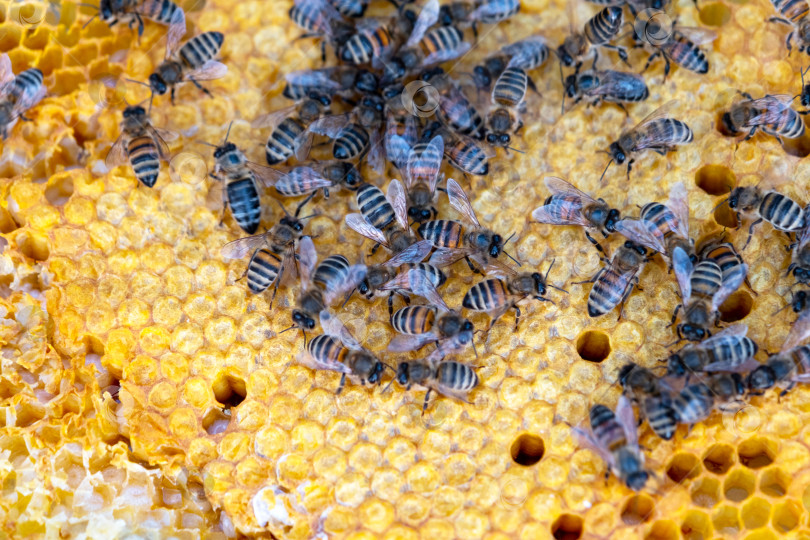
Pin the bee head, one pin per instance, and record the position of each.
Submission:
(675, 366)
(224, 149)
(394, 70)
(641, 250)
(613, 217)
(739, 383)
(351, 176)
(571, 86)
(445, 15)
(625, 371)
(134, 111)
(539, 283)
(496, 245)
(105, 8)
(760, 379)
(693, 332)
(565, 58)
(482, 77)
(802, 275)
(615, 12)
(728, 123)
(637, 480)
(363, 287)
(734, 198)
(366, 81)
(302, 320)
(467, 326)
(292, 223)
(428, 74)
(617, 153)
(392, 90)
(420, 214)
(376, 373)
(800, 300)
(157, 84)
(403, 373)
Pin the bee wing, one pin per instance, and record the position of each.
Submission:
(459, 201)
(698, 36)
(354, 275)
(177, 26)
(376, 154)
(445, 55)
(683, 268)
(627, 419)
(615, 82)
(396, 196)
(729, 286)
(267, 175)
(427, 18)
(307, 259)
(737, 331)
(395, 150)
(771, 108)
(804, 234)
(642, 232)
(29, 99)
(330, 126)
(586, 439)
(798, 332)
(494, 267)
(319, 78)
(117, 155)
(679, 204)
(359, 224)
(209, 71)
(447, 256)
(415, 253)
(273, 119)
(160, 141)
(422, 286)
(646, 137)
(558, 186)
(334, 327)
(430, 158)
(242, 246)
(305, 358)
(661, 112)
(560, 212)
(409, 342)
(6, 71)
(522, 52)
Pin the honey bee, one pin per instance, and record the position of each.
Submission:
(455, 110)
(527, 54)
(599, 31)
(289, 135)
(785, 369)
(17, 94)
(793, 13)
(421, 177)
(377, 216)
(569, 206)
(726, 257)
(133, 11)
(375, 40)
(337, 350)
(614, 282)
(329, 81)
(611, 86)
(657, 132)
(335, 277)
(614, 437)
(400, 127)
(662, 227)
(496, 296)
(431, 323)
(307, 178)
(394, 276)
(800, 330)
(140, 143)
(637, 381)
(508, 98)
(800, 259)
(447, 378)
(682, 47)
(319, 19)
(728, 350)
(466, 154)
(804, 96)
(273, 251)
(472, 13)
(782, 212)
(703, 289)
(192, 62)
(772, 114)
(350, 8)
(455, 241)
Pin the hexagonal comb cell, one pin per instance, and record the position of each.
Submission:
(714, 14)
(637, 509)
(774, 482)
(736, 307)
(757, 452)
(755, 513)
(786, 516)
(683, 467)
(567, 527)
(706, 492)
(715, 179)
(593, 346)
(696, 525)
(719, 458)
(726, 521)
(662, 530)
(739, 485)
(527, 449)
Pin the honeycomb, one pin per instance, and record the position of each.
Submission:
(146, 392)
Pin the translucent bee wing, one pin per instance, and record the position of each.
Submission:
(330, 126)
(587, 440)
(305, 358)
(627, 419)
(437, 145)
(560, 212)
(333, 326)
(730, 285)
(266, 175)
(177, 28)
(209, 71)
(804, 234)
(525, 52)
(353, 277)
(117, 155)
(748, 365)
(798, 332)
(734, 331)
(408, 342)
(160, 142)
(679, 205)
(376, 156)
(459, 201)
(427, 18)
(396, 197)
(445, 55)
(414, 253)
(397, 150)
(319, 78)
(273, 119)
(494, 267)
(642, 232)
(429, 159)
(423, 286)
(307, 259)
(616, 83)
(359, 224)
(698, 36)
(683, 272)
(558, 186)
(661, 112)
(447, 256)
(6, 71)
(242, 246)
(770, 108)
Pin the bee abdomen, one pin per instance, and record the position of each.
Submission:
(326, 349)
(441, 39)
(413, 319)
(606, 428)
(145, 160)
(201, 48)
(442, 233)
(350, 8)
(693, 404)
(246, 208)
(350, 143)
(331, 271)
(687, 55)
(790, 125)
(263, 269)
(505, 9)
(468, 158)
(782, 212)
(510, 88)
(374, 206)
(791, 9)
(281, 143)
(456, 376)
(605, 294)
(604, 26)
(659, 215)
(662, 418)
(706, 278)
(462, 117)
(435, 275)
(732, 349)
(27, 81)
(160, 11)
(488, 295)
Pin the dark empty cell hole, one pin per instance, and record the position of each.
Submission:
(229, 389)
(593, 346)
(774, 482)
(714, 14)
(662, 530)
(7, 223)
(726, 521)
(724, 216)
(719, 458)
(527, 449)
(696, 525)
(739, 485)
(786, 516)
(60, 191)
(216, 420)
(683, 467)
(755, 513)
(34, 246)
(637, 509)
(715, 179)
(706, 493)
(567, 527)
(736, 307)
(799, 147)
(756, 453)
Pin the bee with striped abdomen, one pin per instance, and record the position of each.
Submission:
(455, 110)
(800, 257)
(614, 282)
(140, 143)
(192, 62)
(273, 251)
(375, 40)
(784, 369)
(793, 13)
(728, 350)
(350, 8)
(657, 132)
(611, 86)
(508, 96)
(464, 153)
(447, 378)
(321, 285)
(527, 54)
(394, 276)
(782, 212)
(329, 81)
(307, 178)
(599, 31)
(704, 288)
(17, 93)
(569, 206)
(772, 114)
(454, 240)
(496, 296)
(614, 438)
(468, 13)
(662, 227)
(337, 350)
(422, 174)
(401, 129)
(726, 257)
(681, 47)
(319, 19)
(289, 135)
(133, 11)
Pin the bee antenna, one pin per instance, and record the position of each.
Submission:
(309, 216)
(781, 309)
(228, 133)
(91, 18)
(555, 287)
(668, 345)
(474, 349)
(283, 209)
(387, 386)
(289, 328)
(721, 203)
(515, 260)
(545, 278)
(207, 144)
(606, 168)
(389, 366)
(138, 82)
(348, 297)
(513, 149)
(562, 82)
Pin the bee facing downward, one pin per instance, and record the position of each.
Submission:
(140, 143)
(193, 62)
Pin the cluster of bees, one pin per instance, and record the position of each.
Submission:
(379, 59)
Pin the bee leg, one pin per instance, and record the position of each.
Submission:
(323, 51)
(675, 315)
(517, 317)
(425, 404)
(629, 167)
(25, 118)
(532, 86)
(593, 241)
(472, 267)
(390, 306)
(621, 105)
(172, 95)
(667, 67)
(750, 233)
(475, 30)
(790, 268)
(342, 384)
(201, 87)
(750, 134)
(650, 60)
(140, 25)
